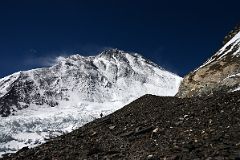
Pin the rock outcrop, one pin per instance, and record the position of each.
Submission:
(221, 73)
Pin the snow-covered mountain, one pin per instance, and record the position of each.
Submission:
(45, 102)
(221, 73)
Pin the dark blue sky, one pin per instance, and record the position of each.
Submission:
(178, 35)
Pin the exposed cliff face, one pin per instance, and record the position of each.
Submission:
(221, 73)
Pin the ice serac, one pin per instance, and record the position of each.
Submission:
(39, 103)
(221, 73)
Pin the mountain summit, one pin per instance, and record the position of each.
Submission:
(113, 75)
(221, 73)
(38, 103)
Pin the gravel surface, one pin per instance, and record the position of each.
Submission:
(153, 128)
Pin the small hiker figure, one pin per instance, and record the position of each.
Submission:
(101, 115)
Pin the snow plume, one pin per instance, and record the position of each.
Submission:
(35, 58)
(46, 60)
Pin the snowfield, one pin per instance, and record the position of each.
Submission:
(35, 125)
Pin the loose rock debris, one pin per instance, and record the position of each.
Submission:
(153, 128)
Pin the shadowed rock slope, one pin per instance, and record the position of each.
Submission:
(153, 128)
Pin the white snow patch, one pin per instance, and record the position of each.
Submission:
(237, 89)
(6, 82)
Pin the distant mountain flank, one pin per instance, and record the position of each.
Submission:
(112, 75)
(221, 73)
(41, 103)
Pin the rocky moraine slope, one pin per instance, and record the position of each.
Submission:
(153, 128)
